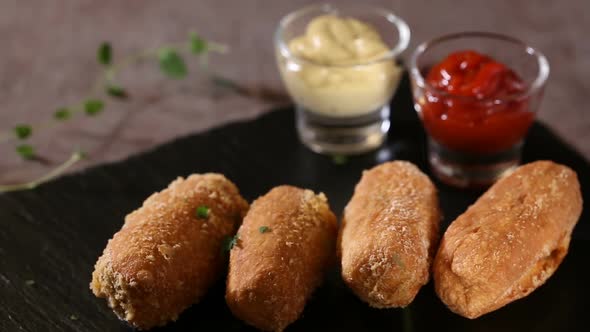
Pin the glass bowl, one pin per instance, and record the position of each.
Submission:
(474, 140)
(342, 107)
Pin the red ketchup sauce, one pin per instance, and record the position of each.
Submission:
(474, 106)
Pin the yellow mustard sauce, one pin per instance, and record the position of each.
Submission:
(345, 72)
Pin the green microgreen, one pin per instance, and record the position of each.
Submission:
(116, 91)
(197, 44)
(26, 151)
(104, 53)
(62, 114)
(202, 212)
(230, 242)
(171, 63)
(23, 131)
(93, 106)
(339, 159)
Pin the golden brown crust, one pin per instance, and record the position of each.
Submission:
(388, 234)
(272, 274)
(165, 257)
(510, 241)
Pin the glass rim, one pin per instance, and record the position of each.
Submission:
(401, 26)
(536, 85)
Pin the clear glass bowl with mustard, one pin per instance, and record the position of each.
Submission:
(339, 64)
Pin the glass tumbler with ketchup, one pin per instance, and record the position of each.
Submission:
(476, 94)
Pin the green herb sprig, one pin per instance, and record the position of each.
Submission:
(202, 212)
(74, 158)
(171, 60)
(230, 242)
(339, 159)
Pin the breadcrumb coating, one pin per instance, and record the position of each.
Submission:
(272, 274)
(388, 235)
(165, 256)
(510, 241)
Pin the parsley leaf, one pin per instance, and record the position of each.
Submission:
(263, 229)
(93, 106)
(202, 212)
(62, 114)
(104, 54)
(339, 159)
(26, 151)
(23, 131)
(116, 91)
(198, 45)
(230, 242)
(171, 63)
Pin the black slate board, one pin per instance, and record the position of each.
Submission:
(54, 234)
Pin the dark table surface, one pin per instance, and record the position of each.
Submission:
(50, 237)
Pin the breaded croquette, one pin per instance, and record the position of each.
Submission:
(388, 234)
(284, 247)
(169, 251)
